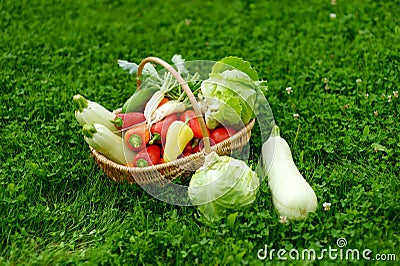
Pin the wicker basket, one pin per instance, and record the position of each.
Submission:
(181, 167)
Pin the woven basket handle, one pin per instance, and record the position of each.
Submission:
(187, 90)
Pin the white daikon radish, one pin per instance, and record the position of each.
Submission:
(292, 196)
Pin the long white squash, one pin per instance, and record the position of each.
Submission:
(89, 112)
(107, 143)
(292, 196)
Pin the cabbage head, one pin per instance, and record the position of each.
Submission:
(222, 186)
(228, 96)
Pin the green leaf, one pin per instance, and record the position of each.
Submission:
(234, 62)
(230, 111)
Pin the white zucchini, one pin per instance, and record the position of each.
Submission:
(292, 196)
(107, 143)
(88, 112)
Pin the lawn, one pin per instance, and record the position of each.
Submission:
(340, 117)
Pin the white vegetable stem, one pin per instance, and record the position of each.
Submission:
(292, 196)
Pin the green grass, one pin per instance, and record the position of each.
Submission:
(57, 206)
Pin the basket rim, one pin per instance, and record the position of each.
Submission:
(120, 167)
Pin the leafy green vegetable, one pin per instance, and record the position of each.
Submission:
(234, 62)
(229, 94)
(223, 186)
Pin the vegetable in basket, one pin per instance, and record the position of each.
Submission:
(137, 137)
(162, 85)
(124, 121)
(170, 107)
(222, 186)
(188, 150)
(107, 143)
(138, 100)
(292, 196)
(88, 112)
(222, 133)
(228, 96)
(161, 128)
(178, 136)
(147, 157)
(190, 117)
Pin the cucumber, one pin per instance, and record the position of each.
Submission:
(138, 100)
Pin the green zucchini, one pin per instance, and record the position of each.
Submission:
(138, 100)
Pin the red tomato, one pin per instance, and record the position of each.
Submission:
(193, 123)
(222, 133)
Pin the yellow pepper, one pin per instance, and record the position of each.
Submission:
(178, 136)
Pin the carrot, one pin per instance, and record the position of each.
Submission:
(163, 101)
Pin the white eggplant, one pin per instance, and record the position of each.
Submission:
(292, 196)
(88, 112)
(107, 143)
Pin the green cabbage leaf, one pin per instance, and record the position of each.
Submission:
(224, 185)
(228, 96)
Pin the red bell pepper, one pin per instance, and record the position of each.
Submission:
(222, 133)
(155, 139)
(167, 121)
(124, 121)
(149, 156)
(137, 137)
(193, 123)
(155, 131)
(157, 127)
